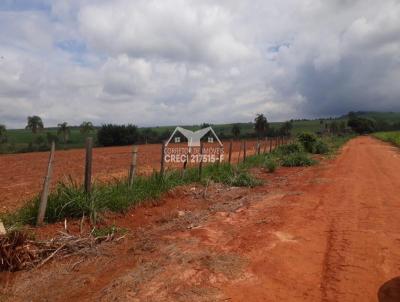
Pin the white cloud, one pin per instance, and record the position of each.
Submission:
(186, 61)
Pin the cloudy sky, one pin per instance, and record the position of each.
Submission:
(153, 62)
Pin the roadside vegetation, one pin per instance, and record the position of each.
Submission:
(391, 137)
(69, 199)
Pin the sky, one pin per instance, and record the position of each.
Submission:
(170, 62)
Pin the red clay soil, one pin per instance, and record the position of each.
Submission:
(21, 175)
(326, 233)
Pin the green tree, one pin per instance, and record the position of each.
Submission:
(35, 124)
(361, 125)
(236, 130)
(86, 127)
(286, 128)
(205, 125)
(3, 134)
(261, 125)
(64, 130)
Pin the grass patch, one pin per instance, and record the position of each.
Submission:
(298, 159)
(108, 231)
(392, 137)
(270, 164)
(69, 200)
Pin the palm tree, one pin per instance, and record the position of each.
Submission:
(64, 130)
(3, 134)
(35, 124)
(260, 125)
(236, 130)
(86, 127)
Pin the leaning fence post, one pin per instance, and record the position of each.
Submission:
(162, 159)
(230, 152)
(201, 160)
(46, 185)
(244, 150)
(132, 170)
(88, 164)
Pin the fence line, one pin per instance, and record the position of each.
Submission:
(244, 150)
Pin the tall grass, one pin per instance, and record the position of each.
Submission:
(69, 200)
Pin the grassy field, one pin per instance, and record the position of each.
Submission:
(391, 137)
(20, 139)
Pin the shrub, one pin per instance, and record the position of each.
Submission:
(289, 149)
(297, 160)
(320, 147)
(270, 164)
(308, 141)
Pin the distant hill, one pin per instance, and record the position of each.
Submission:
(389, 117)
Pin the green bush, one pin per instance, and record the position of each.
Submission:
(308, 141)
(270, 164)
(289, 149)
(320, 147)
(297, 160)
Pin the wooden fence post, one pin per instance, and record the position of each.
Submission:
(186, 163)
(258, 148)
(132, 170)
(201, 160)
(46, 185)
(230, 152)
(162, 159)
(88, 164)
(240, 151)
(270, 145)
(244, 150)
(265, 145)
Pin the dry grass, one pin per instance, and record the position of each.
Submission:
(18, 251)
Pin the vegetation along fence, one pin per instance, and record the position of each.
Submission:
(234, 152)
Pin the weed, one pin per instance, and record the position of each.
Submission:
(289, 149)
(270, 164)
(108, 230)
(297, 160)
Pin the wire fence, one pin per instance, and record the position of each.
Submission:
(21, 176)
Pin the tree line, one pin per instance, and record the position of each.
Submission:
(117, 135)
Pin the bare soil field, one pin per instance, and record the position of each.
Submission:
(326, 233)
(21, 175)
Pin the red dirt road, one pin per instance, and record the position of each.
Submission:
(328, 233)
